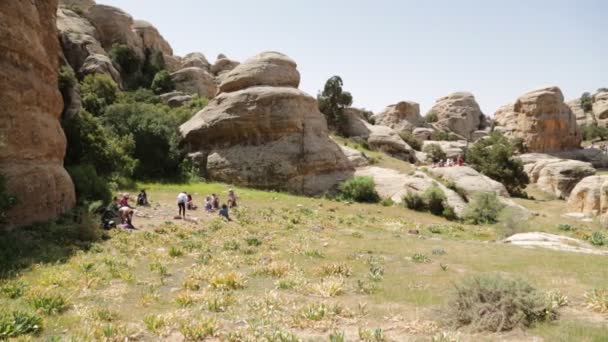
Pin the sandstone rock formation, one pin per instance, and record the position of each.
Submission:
(194, 80)
(81, 5)
(590, 196)
(356, 157)
(592, 155)
(554, 175)
(424, 133)
(403, 116)
(451, 148)
(458, 113)
(32, 143)
(542, 120)
(268, 68)
(266, 134)
(222, 65)
(582, 118)
(195, 59)
(151, 38)
(600, 107)
(175, 98)
(115, 26)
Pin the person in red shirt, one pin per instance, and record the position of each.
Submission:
(460, 160)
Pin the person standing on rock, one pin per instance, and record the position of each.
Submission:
(182, 199)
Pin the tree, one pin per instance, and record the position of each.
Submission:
(493, 157)
(586, 102)
(98, 91)
(332, 101)
(162, 82)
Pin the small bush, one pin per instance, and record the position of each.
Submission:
(123, 56)
(597, 300)
(493, 303)
(162, 82)
(566, 227)
(434, 199)
(411, 140)
(387, 202)
(359, 189)
(594, 131)
(414, 201)
(598, 239)
(431, 117)
(49, 303)
(420, 258)
(483, 209)
(89, 185)
(67, 77)
(18, 323)
(435, 152)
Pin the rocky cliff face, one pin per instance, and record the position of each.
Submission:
(32, 143)
(262, 131)
(403, 116)
(542, 120)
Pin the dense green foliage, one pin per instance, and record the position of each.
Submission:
(484, 208)
(411, 140)
(594, 131)
(97, 92)
(136, 71)
(359, 189)
(17, 323)
(123, 56)
(493, 303)
(586, 102)
(446, 136)
(435, 152)
(67, 77)
(332, 101)
(414, 201)
(162, 82)
(431, 117)
(6, 200)
(494, 158)
(89, 185)
(434, 199)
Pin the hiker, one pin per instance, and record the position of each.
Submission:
(231, 199)
(208, 204)
(224, 212)
(124, 201)
(450, 162)
(190, 205)
(182, 199)
(142, 198)
(215, 201)
(126, 217)
(460, 160)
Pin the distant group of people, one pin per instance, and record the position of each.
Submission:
(450, 162)
(121, 210)
(212, 203)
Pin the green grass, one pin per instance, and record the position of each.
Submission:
(287, 265)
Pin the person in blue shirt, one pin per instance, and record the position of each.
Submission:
(224, 212)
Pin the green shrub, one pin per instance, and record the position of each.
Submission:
(123, 56)
(89, 185)
(411, 140)
(414, 201)
(7, 200)
(97, 92)
(449, 214)
(387, 202)
(586, 102)
(50, 304)
(566, 227)
(434, 199)
(598, 239)
(594, 131)
(162, 83)
(359, 189)
(435, 152)
(445, 136)
(140, 95)
(431, 117)
(483, 209)
(493, 303)
(67, 77)
(18, 323)
(494, 158)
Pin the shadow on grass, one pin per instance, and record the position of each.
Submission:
(52, 242)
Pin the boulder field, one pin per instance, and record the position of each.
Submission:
(31, 139)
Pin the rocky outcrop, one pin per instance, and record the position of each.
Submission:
(423, 133)
(590, 196)
(31, 139)
(115, 26)
(582, 118)
(176, 98)
(451, 148)
(195, 80)
(268, 68)
(100, 64)
(600, 107)
(266, 135)
(80, 5)
(196, 60)
(542, 120)
(356, 157)
(151, 39)
(554, 175)
(458, 113)
(595, 156)
(403, 116)
(354, 124)
(223, 65)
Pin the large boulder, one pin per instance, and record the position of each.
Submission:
(356, 157)
(542, 120)
(31, 139)
(458, 113)
(77, 37)
(600, 107)
(590, 196)
(266, 69)
(151, 38)
(100, 64)
(176, 98)
(194, 80)
(222, 65)
(115, 26)
(424, 133)
(195, 59)
(595, 156)
(554, 175)
(271, 137)
(354, 124)
(403, 116)
(582, 118)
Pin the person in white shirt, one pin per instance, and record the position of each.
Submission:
(182, 199)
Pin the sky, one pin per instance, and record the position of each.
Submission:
(388, 51)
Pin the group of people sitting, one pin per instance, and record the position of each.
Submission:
(121, 210)
(212, 203)
(450, 162)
